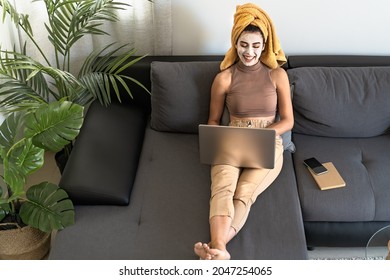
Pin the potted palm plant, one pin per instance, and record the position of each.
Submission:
(24, 79)
(26, 82)
(44, 107)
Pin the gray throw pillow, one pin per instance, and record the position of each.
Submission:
(181, 94)
(341, 101)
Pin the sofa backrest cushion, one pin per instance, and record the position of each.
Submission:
(181, 94)
(181, 97)
(341, 101)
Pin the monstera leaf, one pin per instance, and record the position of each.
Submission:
(22, 160)
(53, 126)
(8, 133)
(19, 156)
(50, 127)
(47, 208)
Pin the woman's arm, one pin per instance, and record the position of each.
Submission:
(285, 109)
(217, 100)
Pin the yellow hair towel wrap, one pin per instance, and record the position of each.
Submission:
(250, 14)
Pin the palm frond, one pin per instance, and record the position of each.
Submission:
(119, 62)
(96, 61)
(26, 81)
(18, 96)
(70, 20)
(17, 18)
(20, 82)
(97, 86)
(101, 73)
(136, 82)
(81, 96)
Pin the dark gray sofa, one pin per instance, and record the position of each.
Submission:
(141, 193)
(342, 115)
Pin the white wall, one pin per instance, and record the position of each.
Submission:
(303, 26)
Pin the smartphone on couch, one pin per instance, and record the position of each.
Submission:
(315, 166)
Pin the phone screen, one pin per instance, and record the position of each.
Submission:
(315, 165)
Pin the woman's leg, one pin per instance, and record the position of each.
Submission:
(251, 184)
(223, 184)
(220, 227)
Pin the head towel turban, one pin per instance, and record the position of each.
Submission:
(250, 14)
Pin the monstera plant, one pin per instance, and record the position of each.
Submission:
(24, 138)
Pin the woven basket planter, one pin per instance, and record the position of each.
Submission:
(25, 243)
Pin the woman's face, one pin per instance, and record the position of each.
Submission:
(249, 47)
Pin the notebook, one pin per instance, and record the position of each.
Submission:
(329, 180)
(237, 146)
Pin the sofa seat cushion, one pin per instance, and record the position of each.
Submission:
(364, 163)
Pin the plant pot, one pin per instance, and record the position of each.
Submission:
(24, 243)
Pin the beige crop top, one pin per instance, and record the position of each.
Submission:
(251, 93)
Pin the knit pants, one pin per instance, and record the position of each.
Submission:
(234, 190)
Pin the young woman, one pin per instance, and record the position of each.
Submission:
(253, 87)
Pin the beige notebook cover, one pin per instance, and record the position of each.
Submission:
(329, 180)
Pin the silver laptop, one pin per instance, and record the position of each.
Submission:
(237, 146)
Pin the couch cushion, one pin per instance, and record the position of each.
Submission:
(341, 102)
(364, 163)
(181, 94)
(102, 166)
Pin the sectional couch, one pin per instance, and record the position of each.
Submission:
(141, 192)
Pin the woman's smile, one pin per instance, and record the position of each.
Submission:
(249, 47)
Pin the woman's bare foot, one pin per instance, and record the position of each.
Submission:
(202, 251)
(218, 254)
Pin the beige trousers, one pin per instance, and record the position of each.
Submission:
(234, 190)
